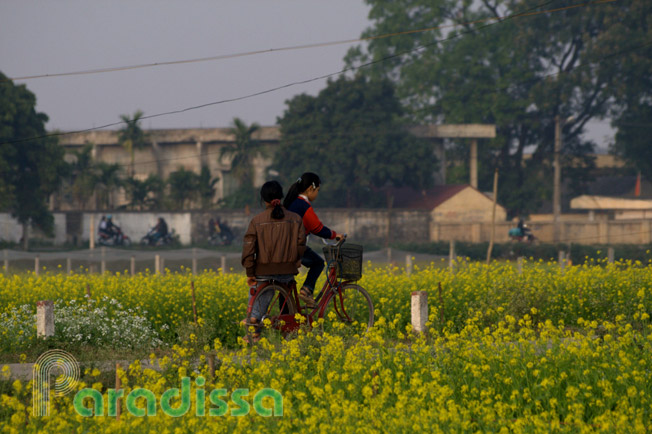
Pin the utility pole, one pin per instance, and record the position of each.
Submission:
(556, 196)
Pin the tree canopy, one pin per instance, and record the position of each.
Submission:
(31, 164)
(506, 62)
(352, 137)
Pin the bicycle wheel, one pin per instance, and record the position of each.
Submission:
(351, 305)
(272, 302)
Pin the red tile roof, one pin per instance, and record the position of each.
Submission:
(406, 197)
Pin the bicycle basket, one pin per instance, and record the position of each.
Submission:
(349, 263)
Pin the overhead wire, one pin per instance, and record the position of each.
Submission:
(321, 77)
(287, 48)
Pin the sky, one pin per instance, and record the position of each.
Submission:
(39, 37)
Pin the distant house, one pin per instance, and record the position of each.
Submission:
(613, 208)
(450, 203)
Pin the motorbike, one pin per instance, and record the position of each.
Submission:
(221, 234)
(117, 238)
(150, 239)
(524, 235)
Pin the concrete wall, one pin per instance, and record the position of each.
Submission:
(363, 225)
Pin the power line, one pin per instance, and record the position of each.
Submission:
(280, 49)
(310, 80)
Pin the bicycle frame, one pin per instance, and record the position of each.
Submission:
(332, 288)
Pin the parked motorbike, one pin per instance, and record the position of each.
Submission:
(117, 238)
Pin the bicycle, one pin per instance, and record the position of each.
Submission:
(350, 302)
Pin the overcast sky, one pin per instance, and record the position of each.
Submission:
(50, 37)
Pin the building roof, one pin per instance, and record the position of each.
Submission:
(430, 199)
(609, 203)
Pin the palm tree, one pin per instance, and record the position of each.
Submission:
(242, 151)
(183, 187)
(132, 137)
(107, 178)
(81, 175)
(206, 187)
(139, 192)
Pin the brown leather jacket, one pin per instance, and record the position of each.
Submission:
(274, 246)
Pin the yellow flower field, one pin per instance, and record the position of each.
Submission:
(542, 351)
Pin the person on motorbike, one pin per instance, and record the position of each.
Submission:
(160, 231)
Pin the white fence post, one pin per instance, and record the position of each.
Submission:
(451, 256)
(223, 264)
(419, 307)
(408, 264)
(45, 318)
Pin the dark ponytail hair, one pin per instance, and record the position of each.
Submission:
(272, 192)
(306, 180)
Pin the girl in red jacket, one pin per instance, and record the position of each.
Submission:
(299, 200)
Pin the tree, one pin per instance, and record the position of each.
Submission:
(107, 179)
(31, 164)
(132, 137)
(184, 186)
(242, 152)
(81, 180)
(206, 187)
(351, 136)
(144, 194)
(518, 73)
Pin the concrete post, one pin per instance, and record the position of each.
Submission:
(223, 264)
(610, 255)
(157, 264)
(91, 233)
(451, 256)
(37, 265)
(133, 265)
(103, 261)
(473, 164)
(389, 255)
(408, 265)
(68, 266)
(45, 318)
(519, 264)
(6, 261)
(194, 261)
(562, 259)
(419, 307)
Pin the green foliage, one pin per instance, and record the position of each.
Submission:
(30, 170)
(633, 137)
(107, 179)
(350, 134)
(206, 187)
(244, 196)
(579, 253)
(144, 194)
(242, 151)
(131, 136)
(184, 186)
(516, 73)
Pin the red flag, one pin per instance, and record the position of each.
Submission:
(637, 189)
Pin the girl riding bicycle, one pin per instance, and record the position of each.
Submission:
(300, 195)
(274, 244)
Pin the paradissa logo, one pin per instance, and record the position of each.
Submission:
(149, 409)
